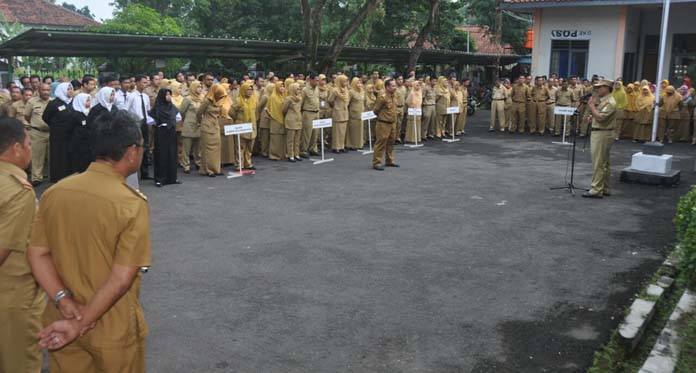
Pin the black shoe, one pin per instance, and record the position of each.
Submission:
(392, 165)
(211, 175)
(313, 153)
(305, 156)
(291, 160)
(187, 171)
(299, 159)
(220, 174)
(378, 168)
(253, 168)
(36, 183)
(334, 151)
(158, 184)
(591, 195)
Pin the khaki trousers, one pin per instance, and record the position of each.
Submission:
(386, 137)
(39, 150)
(428, 121)
(460, 126)
(537, 117)
(600, 144)
(20, 322)
(189, 146)
(518, 110)
(551, 117)
(265, 134)
(338, 135)
(666, 128)
(292, 142)
(498, 111)
(309, 137)
(558, 124)
(210, 153)
(440, 125)
(399, 122)
(79, 357)
(508, 116)
(246, 145)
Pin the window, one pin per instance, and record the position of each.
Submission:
(569, 57)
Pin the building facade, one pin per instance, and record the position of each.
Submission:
(611, 38)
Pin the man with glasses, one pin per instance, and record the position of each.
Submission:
(91, 267)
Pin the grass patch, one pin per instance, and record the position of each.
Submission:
(614, 358)
(687, 356)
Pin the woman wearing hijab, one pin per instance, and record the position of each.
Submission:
(670, 104)
(165, 154)
(292, 120)
(59, 118)
(208, 114)
(80, 141)
(644, 115)
(338, 99)
(621, 99)
(683, 130)
(191, 127)
(277, 146)
(370, 99)
(228, 155)
(356, 107)
(177, 101)
(244, 111)
(630, 112)
(414, 100)
(442, 102)
(104, 104)
(457, 100)
(264, 119)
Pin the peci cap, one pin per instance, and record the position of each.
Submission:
(604, 82)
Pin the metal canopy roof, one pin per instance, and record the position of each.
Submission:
(63, 43)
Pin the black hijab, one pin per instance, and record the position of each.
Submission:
(164, 111)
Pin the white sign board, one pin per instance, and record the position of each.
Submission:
(564, 110)
(238, 129)
(571, 34)
(453, 110)
(322, 123)
(367, 115)
(415, 111)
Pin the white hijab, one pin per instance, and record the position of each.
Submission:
(104, 97)
(62, 92)
(80, 103)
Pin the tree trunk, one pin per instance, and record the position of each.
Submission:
(427, 29)
(330, 59)
(311, 18)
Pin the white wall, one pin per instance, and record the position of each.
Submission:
(602, 21)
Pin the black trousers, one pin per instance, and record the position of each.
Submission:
(145, 164)
(59, 153)
(165, 154)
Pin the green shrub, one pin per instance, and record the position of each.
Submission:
(686, 237)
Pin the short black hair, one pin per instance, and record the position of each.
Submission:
(313, 75)
(123, 77)
(76, 84)
(140, 77)
(27, 89)
(87, 79)
(11, 132)
(9, 85)
(23, 77)
(114, 133)
(48, 77)
(35, 77)
(258, 77)
(388, 82)
(152, 76)
(106, 79)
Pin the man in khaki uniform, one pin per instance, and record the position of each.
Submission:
(21, 300)
(310, 112)
(39, 132)
(540, 96)
(587, 88)
(385, 108)
(400, 95)
(16, 110)
(520, 96)
(15, 95)
(564, 98)
(577, 91)
(498, 97)
(551, 104)
(90, 241)
(508, 104)
(529, 83)
(429, 118)
(603, 126)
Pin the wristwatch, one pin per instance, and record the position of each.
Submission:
(60, 295)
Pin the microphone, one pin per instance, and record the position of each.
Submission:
(586, 97)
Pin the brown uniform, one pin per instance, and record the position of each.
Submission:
(21, 299)
(537, 118)
(520, 95)
(311, 105)
(601, 140)
(550, 107)
(90, 222)
(39, 132)
(564, 98)
(385, 108)
(429, 116)
(400, 95)
(16, 111)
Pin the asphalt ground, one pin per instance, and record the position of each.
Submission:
(461, 260)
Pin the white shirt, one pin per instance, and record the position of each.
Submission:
(121, 98)
(134, 104)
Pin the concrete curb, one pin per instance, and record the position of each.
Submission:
(664, 355)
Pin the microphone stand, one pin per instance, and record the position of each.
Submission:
(571, 186)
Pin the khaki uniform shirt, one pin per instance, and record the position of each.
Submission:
(293, 114)
(577, 93)
(310, 99)
(151, 92)
(499, 94)
(607, 110)
(564, 97)
(520, 94)
(552, 95)
(17, 209)
(400, 95)
(385, 108)
(17, 111)
(540, 94)
(428, 95)
(90, 222)
(34, 110)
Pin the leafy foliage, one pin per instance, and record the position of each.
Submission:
(686, 237)
(85, 11)
(168, 8)
(139, 19)
(483, 13)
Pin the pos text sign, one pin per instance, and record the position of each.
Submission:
(564, 110)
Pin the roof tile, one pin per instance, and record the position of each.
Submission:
(41, 12)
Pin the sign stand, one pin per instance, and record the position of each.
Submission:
(452, 110)
(415, 113)
(368, 116)
(238, 130)
(566, 112)
(321, 124)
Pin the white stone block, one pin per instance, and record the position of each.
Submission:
(657, 164)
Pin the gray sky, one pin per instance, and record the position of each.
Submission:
(101, 8)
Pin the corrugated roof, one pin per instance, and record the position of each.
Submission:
(41, 12)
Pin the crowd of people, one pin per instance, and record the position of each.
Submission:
(528, 106)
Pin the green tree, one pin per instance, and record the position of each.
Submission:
(169, 8)
(85, 11)
(483, 13)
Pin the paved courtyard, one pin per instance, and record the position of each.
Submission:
(462, 260)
